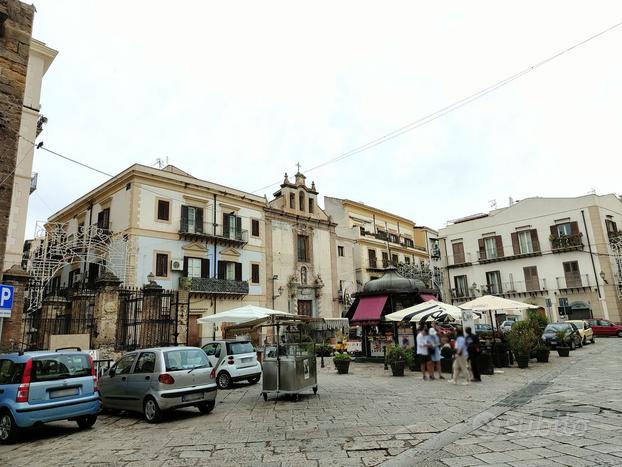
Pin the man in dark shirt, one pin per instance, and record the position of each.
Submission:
(472, 342)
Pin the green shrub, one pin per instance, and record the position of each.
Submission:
(325, 350)
(341, 356)
(396, 353)
(522, 338)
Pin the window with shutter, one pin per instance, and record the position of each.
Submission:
(532, 282)
(458, 250)
(525, 242)
(255, 273)
(371, 255)
(303, 248)
(103, 219)
(301, 201)
(499, 244)
(311, 205)
(461, 285)
(493, 280)
(340, 251)
(204, 268)
(292, 201)
(161, 265)
(385, 259)
(184, 218)
(394, 260)
(254, 227)
(194, 267)
(238, 271)
(572, 274)
(164, 210)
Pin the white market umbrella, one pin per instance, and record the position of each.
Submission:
(431, 310)
(492, 303)
(241, 315)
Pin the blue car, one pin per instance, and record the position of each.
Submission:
(40, 387)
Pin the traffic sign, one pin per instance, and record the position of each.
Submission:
(548, 303)
(6, 300)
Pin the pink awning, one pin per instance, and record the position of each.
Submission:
(426, 297)
(370, 308)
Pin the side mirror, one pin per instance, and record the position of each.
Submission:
(111, 372)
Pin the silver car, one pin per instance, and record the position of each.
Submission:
(151, 381)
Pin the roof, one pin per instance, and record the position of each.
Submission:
(366, 206)
(393, 282)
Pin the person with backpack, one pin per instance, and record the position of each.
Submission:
(473, 347)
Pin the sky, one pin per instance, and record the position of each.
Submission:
(237, 93)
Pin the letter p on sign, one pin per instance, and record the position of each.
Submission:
(6, 300)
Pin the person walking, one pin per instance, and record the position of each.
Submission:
(473, 347)
(460, 359)
(435, 352)
(423, 351)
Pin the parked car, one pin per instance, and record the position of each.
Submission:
(447, 329)
(506, 326)
(483, 327)
(603, 327)
(549, 336)
(151, 381)
(585, 330)
(234, 360)
(41, 387)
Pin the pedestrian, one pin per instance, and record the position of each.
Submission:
(423, 351)
(460, 359)
(435, 352)
(473, 347)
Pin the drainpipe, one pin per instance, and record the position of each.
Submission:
(589, 246)
(214, 227)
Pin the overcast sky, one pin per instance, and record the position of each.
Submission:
(238, 92)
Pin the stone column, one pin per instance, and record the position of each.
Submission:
(183, 312)
(13, 327)
(151, 331)
(105, 315)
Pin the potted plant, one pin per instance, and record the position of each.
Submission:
(411, 359)
(396, 357)
(563, 342)
(542, 352)
(538, 322)
(522, 341)
(342, 362)
(324, 350)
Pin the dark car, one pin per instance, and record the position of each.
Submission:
(549, 336)
(603, 327)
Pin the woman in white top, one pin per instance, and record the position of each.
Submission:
(460, 359)
(423, 351)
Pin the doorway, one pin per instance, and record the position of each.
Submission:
(305, 308)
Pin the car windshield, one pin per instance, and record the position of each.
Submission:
(185, 359)
(236, 348)
(55, 367)
(556, 327)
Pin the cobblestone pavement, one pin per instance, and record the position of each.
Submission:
(566, 411)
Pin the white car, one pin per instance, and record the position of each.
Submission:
(506, 326)
(234, 360)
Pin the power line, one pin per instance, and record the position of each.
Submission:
(450, 108)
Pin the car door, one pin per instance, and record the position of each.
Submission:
(213, 350)
(140, 379)
(605, 328)
(113, 385)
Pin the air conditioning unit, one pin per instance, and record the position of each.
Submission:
(177, 265)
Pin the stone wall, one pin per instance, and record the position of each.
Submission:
(15, 35)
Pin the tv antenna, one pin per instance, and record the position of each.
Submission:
(493, 203)
(161, 163)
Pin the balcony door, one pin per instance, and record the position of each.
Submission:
(572, 274)
(232, 226)
(371, 255)
(493, 280)
(305, 308)
(532, 282)
(191, 219)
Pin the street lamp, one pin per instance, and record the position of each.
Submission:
(280, 290)
(602, 276)
(150, 278)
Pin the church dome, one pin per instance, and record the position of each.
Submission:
(393, 282)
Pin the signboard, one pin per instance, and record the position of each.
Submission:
(467, 319)
(563, 302)
(6, 300)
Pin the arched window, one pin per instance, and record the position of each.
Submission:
(301, 201)
(303, 275)
(292, 201)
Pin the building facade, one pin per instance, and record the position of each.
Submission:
(559, 253)
(25, 182)
(164, 225)
(303, 261)
(377, 239)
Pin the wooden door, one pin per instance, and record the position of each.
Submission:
(194, 338)
(305, 307)
(532, 282)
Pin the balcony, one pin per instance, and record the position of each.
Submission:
(457, 261)
(615, 237)
(213, 286)
(566, 243)
(461, 296)
(574, 283)
(522, 288)
(377, 264)
(207, 232)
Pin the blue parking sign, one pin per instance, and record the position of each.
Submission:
(6, 300)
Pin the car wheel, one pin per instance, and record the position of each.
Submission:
(619, 333)
(152, 411)
(206, 407)
(224, 380)
(584, 341)
(572, 345)
(86, 421)
(8, 429)
(592, 340)
(254, 380)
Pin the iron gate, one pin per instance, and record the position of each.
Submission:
(147, 319)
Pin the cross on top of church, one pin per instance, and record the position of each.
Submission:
(298, 165)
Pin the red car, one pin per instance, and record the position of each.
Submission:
(603, 327)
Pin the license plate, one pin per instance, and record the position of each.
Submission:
(248, 359)
(192, 397)
(63, 393)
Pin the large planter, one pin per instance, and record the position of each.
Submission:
(543, 355)
(342, 366)
(563, 351)
(501, 358)
(522, 361)
(397, 367)
(485, 364)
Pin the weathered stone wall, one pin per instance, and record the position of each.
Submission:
(13, 327)
(15, 34)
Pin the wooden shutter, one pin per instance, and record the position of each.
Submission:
(515, 244)
(204, 267)
(163, 210)
(198, 220)
(225, 225)
(184, 218)
(222, 268)
(458, 249)
(238, 227)
(534, 240)
(185, 273)
(238, 271)
(482, 249)
(255, 273)
(574, 228)
(499, 242)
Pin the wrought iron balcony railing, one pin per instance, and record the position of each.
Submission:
(213, 286)
(566, 242)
